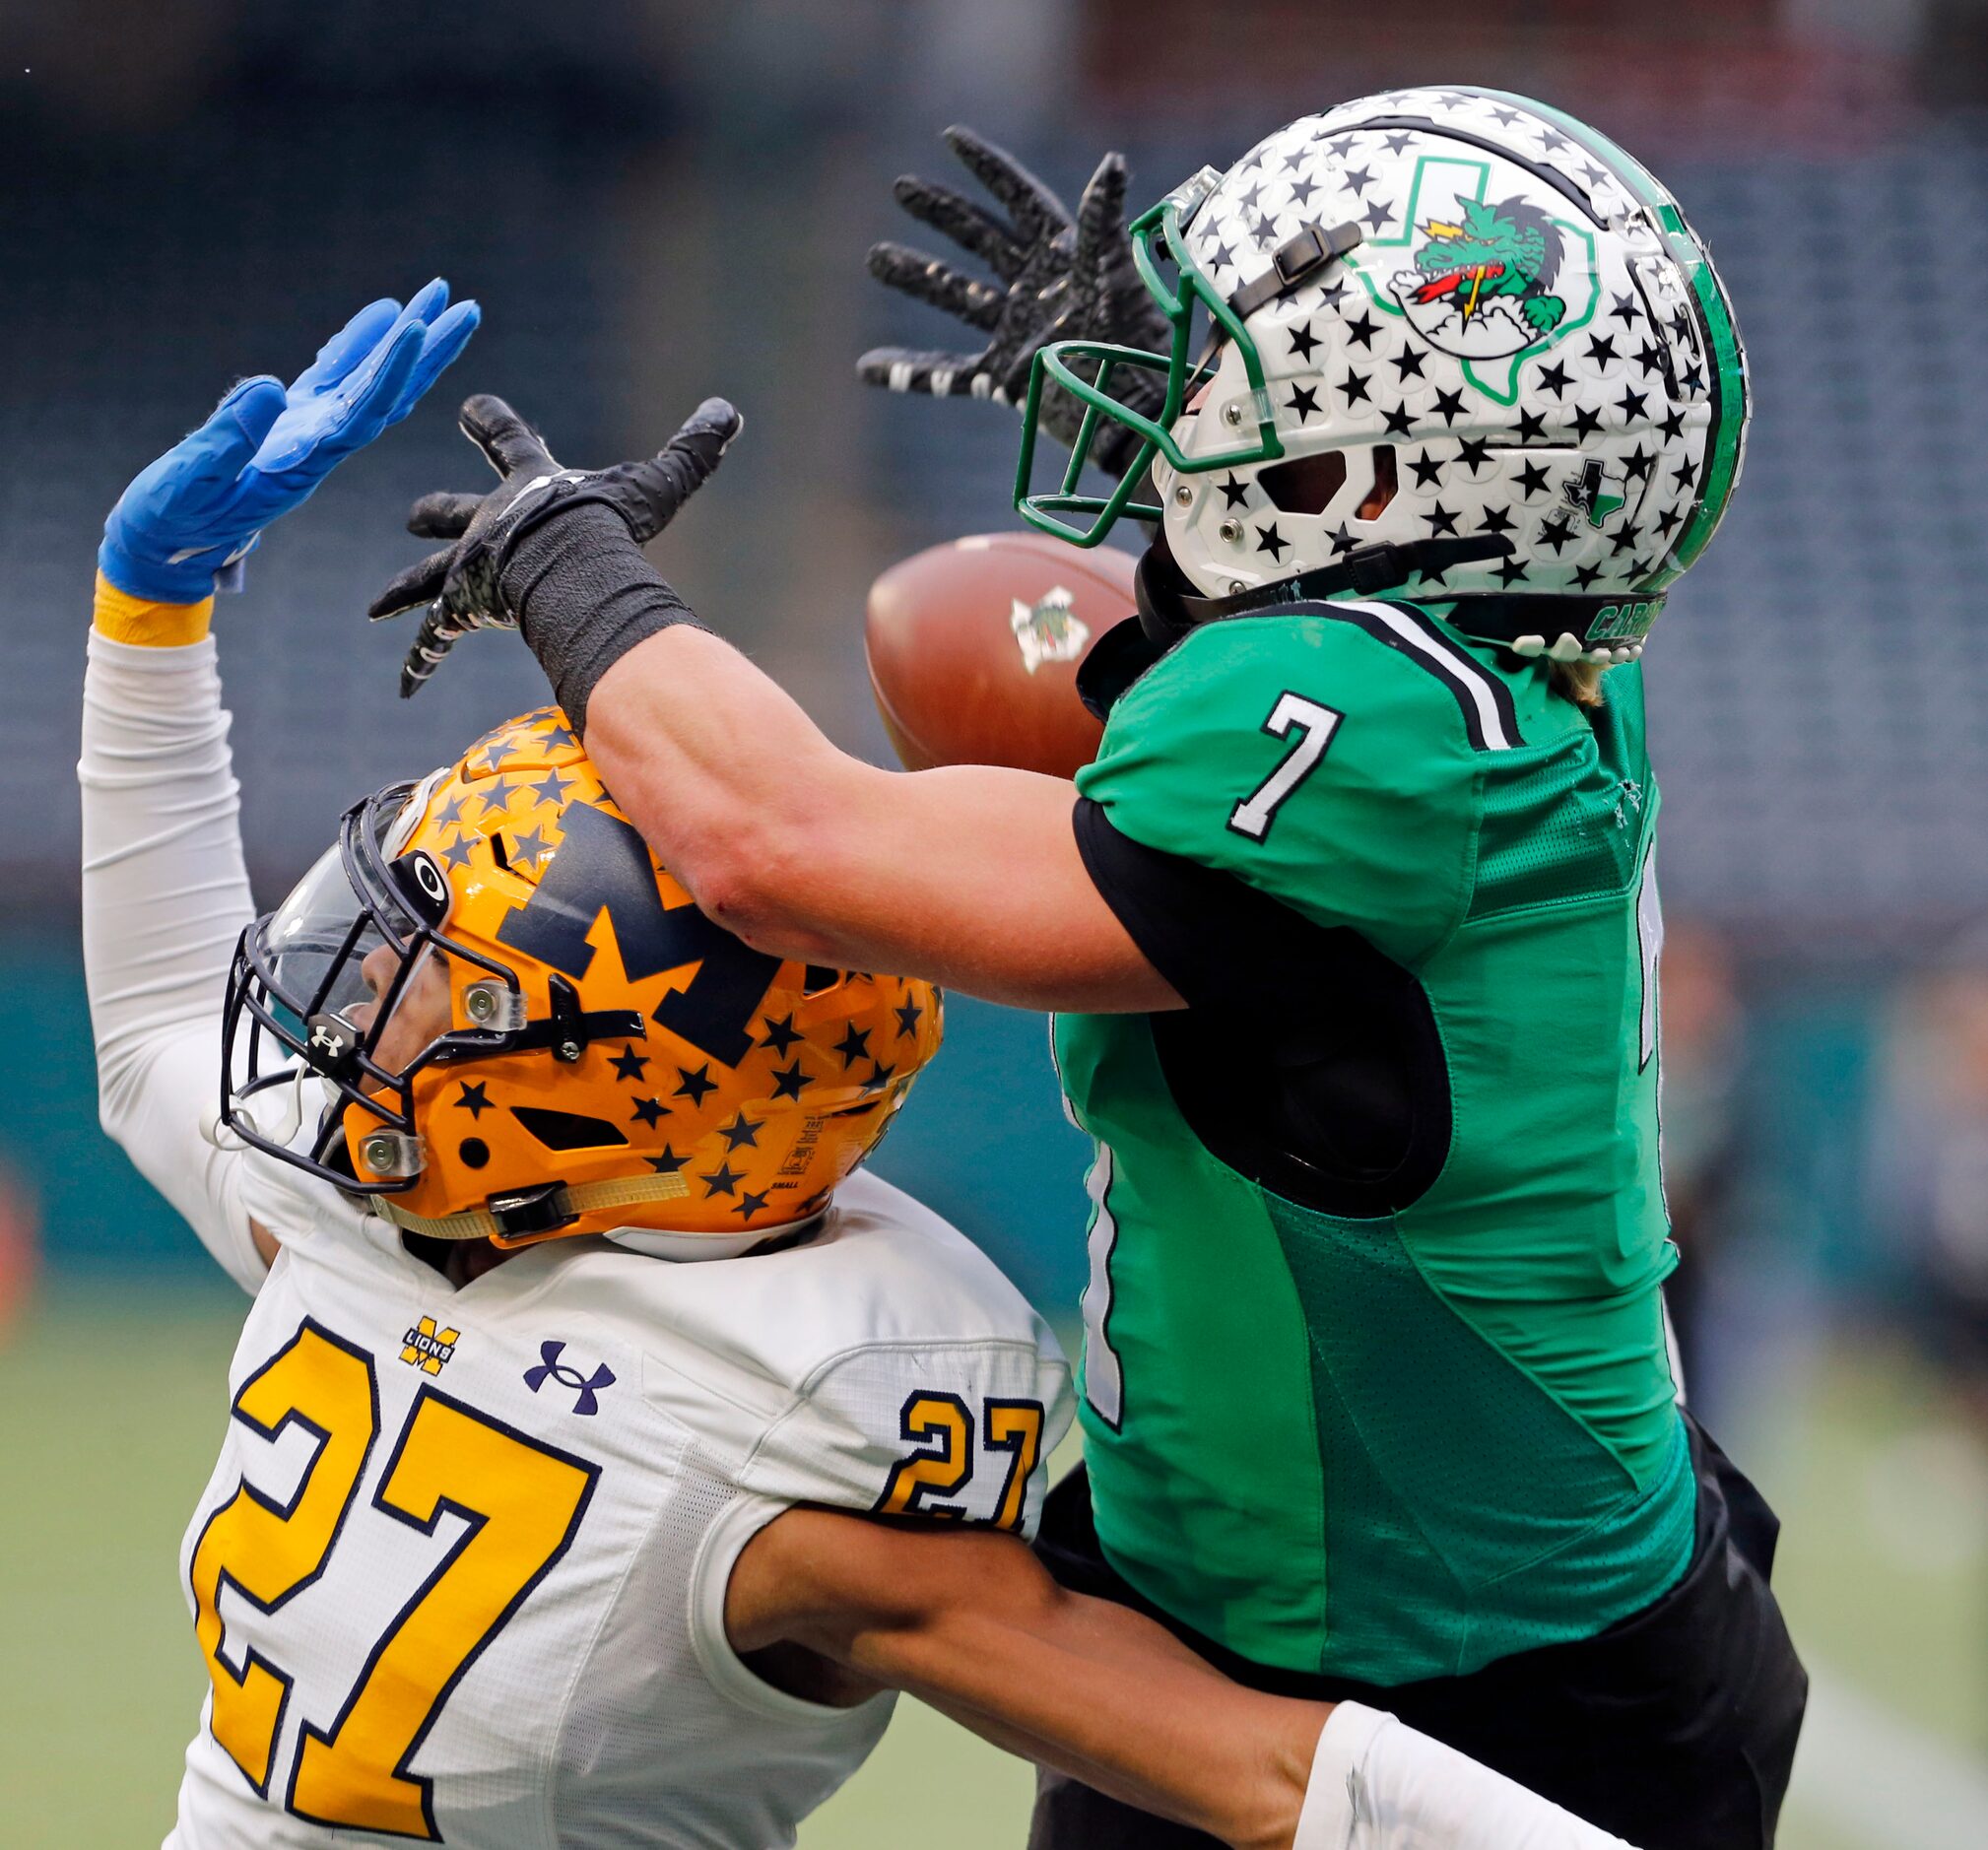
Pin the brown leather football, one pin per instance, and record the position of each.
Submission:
(973, 649)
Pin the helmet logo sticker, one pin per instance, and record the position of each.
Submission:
(587, 1387)
(1049, 630)
(1489, 281)
(1592, 494)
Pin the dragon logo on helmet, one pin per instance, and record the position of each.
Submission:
(1481, 281)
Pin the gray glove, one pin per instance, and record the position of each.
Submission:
(1062, 279)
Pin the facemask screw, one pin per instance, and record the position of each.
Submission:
(1229, 530)
(478, 1003)
(569, 1050)
(1231, 414)
(1183, 496)
(381, 1152)
(1236, 587)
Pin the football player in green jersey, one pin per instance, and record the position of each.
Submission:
(1352, 927)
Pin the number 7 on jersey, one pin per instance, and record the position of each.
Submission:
(1315, 726)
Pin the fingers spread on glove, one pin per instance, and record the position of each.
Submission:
(348, 347)
(1101, 212)
(899, 267)
(442, 515)
(508, 443)
(447, 336)
(417, 585)
(1035, 210)
(976, 232)
(935, 375)
(374, 391)
(649, 494)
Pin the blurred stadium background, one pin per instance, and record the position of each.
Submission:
(656, 201)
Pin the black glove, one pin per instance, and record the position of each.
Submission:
(489, 579)
(1064, 280)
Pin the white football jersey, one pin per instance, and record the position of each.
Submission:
(459, 1574)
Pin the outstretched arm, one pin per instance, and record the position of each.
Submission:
(970, 876)
(969, 1621)
(164, 890)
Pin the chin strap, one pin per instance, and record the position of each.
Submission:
(1565, 628)
(533, 1210)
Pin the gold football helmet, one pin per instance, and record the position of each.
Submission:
(589, 1052)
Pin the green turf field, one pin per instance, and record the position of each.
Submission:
(112, 1412)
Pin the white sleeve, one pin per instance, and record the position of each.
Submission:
(164, 896)
(936, 1428)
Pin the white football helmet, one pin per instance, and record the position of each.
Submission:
(1457, 344)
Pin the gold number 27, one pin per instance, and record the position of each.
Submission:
(522, 1501)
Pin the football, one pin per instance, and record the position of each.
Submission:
(973, 650)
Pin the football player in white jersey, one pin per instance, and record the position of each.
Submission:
(527, 1530)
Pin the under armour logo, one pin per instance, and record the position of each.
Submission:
(587, 1387)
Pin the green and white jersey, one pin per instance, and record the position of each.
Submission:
(1431, 1422)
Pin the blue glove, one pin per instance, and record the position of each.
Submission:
(179, 531)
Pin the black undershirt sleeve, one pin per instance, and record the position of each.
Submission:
(1304, 1059)
(1223, 945)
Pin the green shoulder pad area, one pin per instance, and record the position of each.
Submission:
(1333, 758)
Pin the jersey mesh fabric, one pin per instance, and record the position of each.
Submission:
(1488, 1456)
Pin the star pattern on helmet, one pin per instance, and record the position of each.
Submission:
(629, 1065)
(781, 1035)
(473, 1098)
(553, 786)
(649, 1110)
(528, 847)
(1474, 452)
(696, 1087)
(1614, 381)
(909, 1015)
(456, 854)
(450, 816)
(880, 1078)
(1585, 576)
(788, 1080)
(750, 1204)
(665, 1161)
(723, 1180)
(853, 1046)
(741, 1134)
